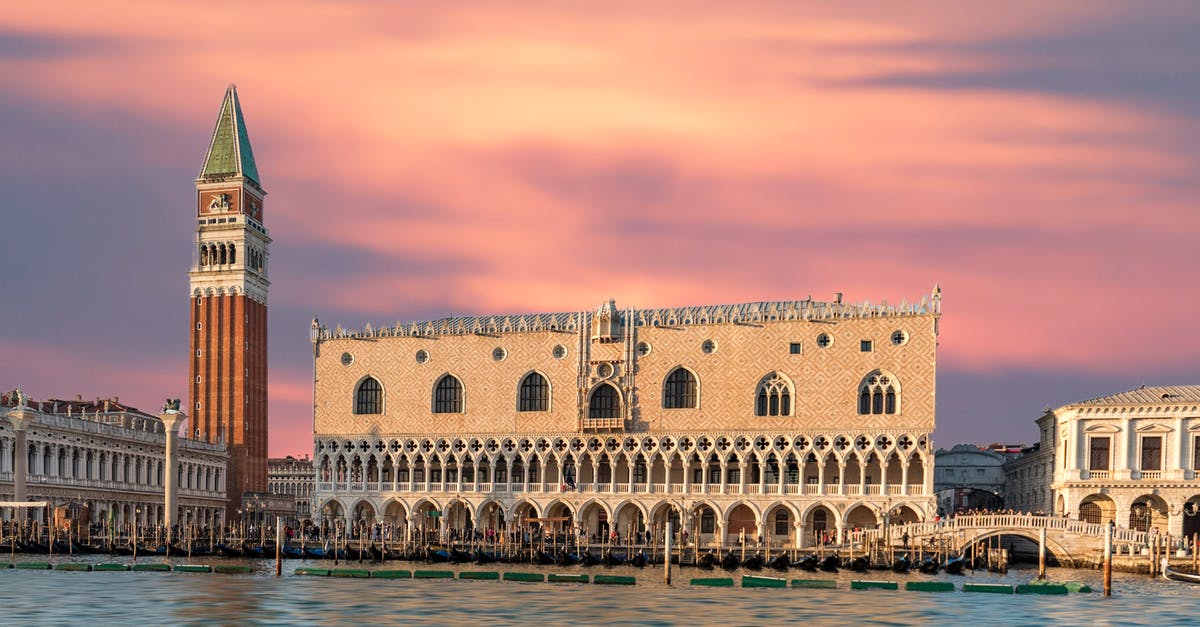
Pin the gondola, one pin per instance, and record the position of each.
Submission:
(589, 559)
(121, 549)
(613, 559)
(568, 558)
(484, 557)
(901, 565)
(292, 552)
(780, 562)
(808, 563)
(460, 557)
(830, 564)
(707, 560)
(437, 555)
(1175, 575)
(730, 561)
(543, 558)
(251, 551)
(955, 565)
(754, 562)
(929, 566)
(859, 564)
(314, 553)
(639, 559)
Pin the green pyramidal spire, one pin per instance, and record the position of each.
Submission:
(229, 154)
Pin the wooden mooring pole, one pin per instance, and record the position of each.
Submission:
(1108, 538)
(278, 546)
(1042, 555)
(667, 554)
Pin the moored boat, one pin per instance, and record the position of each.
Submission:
(1175, 575)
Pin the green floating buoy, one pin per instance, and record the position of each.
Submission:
(993, 588)
(557, 578)
(391, 574)
(713, 582)
(752, 581)
(524, 577)
(156, 568)
(482, 575)
(312, 572)
(32, 565)
(868, 584)
(929, 586)
(815, 583)
(433, 574)
(109, 566)
(74, 566)
(1041, 588)
(355, 573)
(617, 580)
(232, 569)
(193, 568)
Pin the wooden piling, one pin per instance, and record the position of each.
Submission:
(1108, 536)
(667, 553)
(1042, 554)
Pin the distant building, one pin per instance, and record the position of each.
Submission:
(969, 477)
(294, 478)
(1028, 476)
(1131, 457)
(109, 457)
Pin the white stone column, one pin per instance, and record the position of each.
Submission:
(170, 420)
(20, 420)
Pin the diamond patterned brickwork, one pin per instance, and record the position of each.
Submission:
(825, 379)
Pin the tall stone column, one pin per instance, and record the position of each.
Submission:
(170, 420)
(20, 419)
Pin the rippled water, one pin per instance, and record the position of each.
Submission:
(153, 598)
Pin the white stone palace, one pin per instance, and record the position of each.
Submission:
(107, 456)
(1131, 457)
(782, 420)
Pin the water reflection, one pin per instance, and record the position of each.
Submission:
(56, 597)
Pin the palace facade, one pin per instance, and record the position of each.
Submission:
(782, 420)
(109, 457)
(1131, 457)
(292, 478)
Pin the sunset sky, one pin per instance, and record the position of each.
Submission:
(1039, 162)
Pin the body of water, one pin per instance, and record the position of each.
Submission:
(155, 598)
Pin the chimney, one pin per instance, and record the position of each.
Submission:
(837, 298)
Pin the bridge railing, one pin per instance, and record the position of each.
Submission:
(1022, 521)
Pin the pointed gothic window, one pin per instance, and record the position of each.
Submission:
(448, 396)
(605, 402)
(534, 394)
(679, 391)
(368, 398)
(774, 396)
(878, 393)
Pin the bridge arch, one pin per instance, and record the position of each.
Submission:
(1056, 549)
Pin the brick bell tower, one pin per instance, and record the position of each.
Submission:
(228, 280)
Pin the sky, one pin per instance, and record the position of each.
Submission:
(1038, 160)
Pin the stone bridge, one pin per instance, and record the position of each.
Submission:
(1069, 541)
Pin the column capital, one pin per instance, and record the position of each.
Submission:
(21, 417)
(171, 419)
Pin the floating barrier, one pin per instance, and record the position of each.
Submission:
(74, 566)
(614, 580)
(868, 584)
(312, 572)
(192, 568)
(157, 568)
(524, 577)
(993, 588)
(713, 582)
(232, 569)
(390, 574)
(557, 578)
(815, 583)
(929, 586)
(109, 566)
(354, 573)
(752, 581)
(480, 575)
(433, 574)
(32, 566)
(1041, 588)
(1075, 586)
